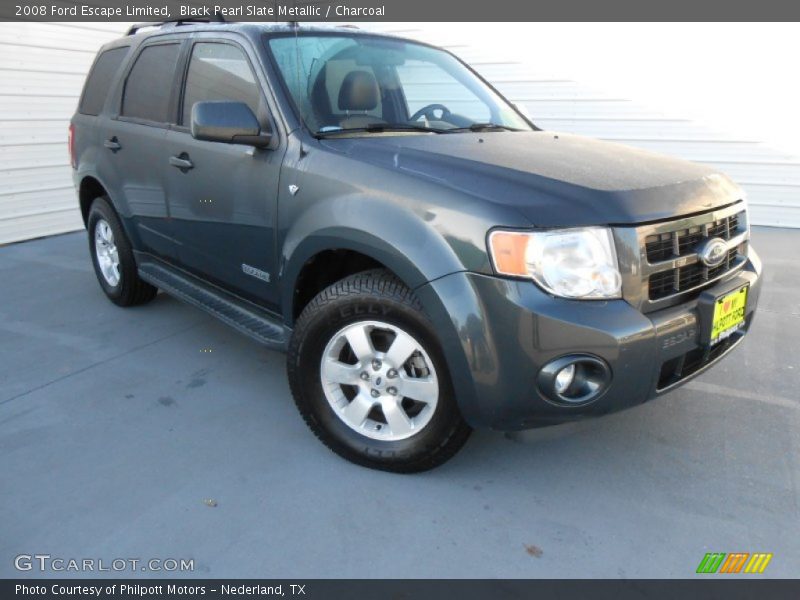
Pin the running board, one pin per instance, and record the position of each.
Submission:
(239, 314)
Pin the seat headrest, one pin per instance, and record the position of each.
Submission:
(359, 91)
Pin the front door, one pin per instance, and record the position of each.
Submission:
(223, 197)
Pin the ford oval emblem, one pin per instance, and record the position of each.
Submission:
(712, 252)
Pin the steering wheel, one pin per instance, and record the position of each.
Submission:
(428, 113)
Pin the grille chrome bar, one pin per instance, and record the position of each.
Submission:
(682, 261)
(659, 261)
(693, 221)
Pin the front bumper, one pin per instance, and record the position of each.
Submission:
(503, 331)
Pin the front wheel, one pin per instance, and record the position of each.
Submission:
(369, 377)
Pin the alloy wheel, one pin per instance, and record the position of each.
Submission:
(106, 251)
(379, 380)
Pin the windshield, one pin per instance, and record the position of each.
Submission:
(354, 83)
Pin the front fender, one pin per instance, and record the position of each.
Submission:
(391, 234)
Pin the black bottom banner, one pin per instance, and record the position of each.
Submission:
(385, 589)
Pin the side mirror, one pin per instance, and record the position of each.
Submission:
(229, 123)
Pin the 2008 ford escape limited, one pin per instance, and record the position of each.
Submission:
(429, 258)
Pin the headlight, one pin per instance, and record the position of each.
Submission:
(572, 263)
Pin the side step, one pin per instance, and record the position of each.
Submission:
(239, 314)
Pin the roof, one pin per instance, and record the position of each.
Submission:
(270, 27)
(142, 31)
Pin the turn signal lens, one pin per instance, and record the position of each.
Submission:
(508, 252)
(71, 145)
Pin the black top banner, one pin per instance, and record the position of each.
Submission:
(401, 10)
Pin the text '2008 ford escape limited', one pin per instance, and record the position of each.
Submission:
(430, 260)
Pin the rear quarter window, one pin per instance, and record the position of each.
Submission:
(98, 83)
(150, 83)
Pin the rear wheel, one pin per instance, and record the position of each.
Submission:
(113, 259)
(369, 377)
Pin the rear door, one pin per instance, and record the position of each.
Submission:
(134, 141)
(224, 206)
(91, 120)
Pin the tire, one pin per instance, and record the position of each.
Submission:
(359, 402)
(114, 263)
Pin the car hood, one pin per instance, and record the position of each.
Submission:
(553, 179)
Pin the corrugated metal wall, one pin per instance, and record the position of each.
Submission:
(42, 68)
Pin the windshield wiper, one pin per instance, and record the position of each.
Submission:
(380, 128)
(484, 127)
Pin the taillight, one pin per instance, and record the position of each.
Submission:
(71, 145)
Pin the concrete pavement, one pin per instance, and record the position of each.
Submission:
(157, 432)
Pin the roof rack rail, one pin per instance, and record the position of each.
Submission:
(215, 18)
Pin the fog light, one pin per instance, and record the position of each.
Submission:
(565, 378)
(574, 380)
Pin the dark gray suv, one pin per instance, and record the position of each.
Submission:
(430, 259)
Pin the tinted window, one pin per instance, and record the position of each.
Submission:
(99, 81)
(149, 84)
(343, 81)
(219, 72)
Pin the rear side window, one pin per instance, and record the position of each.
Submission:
(150, 82)
(99, 81)
(219, 72)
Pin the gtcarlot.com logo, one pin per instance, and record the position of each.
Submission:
(735, 562)
(46, 562)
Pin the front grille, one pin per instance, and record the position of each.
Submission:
(670, 251)
(665, 283)
(674, 244)
(685, 365)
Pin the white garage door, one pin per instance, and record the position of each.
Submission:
(42, 68)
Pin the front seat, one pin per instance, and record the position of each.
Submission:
(359, 93)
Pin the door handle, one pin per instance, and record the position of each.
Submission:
(112, 144)
(182, 162)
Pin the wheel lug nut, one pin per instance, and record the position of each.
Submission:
(375, 393)
(392, 391)
(365, 376)
(392, 373)
(376, 364)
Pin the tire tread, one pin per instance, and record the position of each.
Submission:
(135, 291)
(379, 284)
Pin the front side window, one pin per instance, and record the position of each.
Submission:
(343, 83)
(219, 72)
(150, 82)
